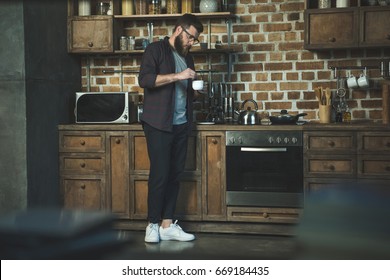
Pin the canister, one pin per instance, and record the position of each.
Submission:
(186, 6)
(131, 43)
(123, 43)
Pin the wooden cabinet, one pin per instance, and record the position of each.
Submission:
(213, 176)
(335, 159)
(189, 200)
(329, 159)
(82, 170)
(374, 27)
(343, 28)
(90, 34)
(325, 28)
(374, 155)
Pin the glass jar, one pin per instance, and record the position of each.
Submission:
(102, 8)
(324, 4)
(123, 43)
(155, 7)
(84, 7)
(172, 6)
(186, 6)
(141, 7)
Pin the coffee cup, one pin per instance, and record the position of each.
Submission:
(352, 82)
(197, 84)
(363, 81)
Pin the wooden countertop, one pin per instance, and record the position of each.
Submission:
(309, 126)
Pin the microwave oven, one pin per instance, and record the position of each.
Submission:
(106, 107)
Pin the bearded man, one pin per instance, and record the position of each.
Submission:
(166, 74)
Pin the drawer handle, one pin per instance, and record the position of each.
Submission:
(265, 215)
(387, 168)
(214, 141)
(82, 142)
(118, 141)
(332, 39)
(331, 167)
(82, 186)
(90, 44)
(331, 143)
(82, 164)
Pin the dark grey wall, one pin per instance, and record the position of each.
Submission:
(38, 81)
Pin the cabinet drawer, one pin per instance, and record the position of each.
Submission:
(335, 166)
(74, 164)
(82, 142)
(329, 142)
(374, 167)
(269, 215)
(374, 142)
(83, 193)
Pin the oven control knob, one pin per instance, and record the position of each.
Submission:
(271, 140)
(240, 141)
(278, 140)
(286, 140)
(294, 140)
(232, 140)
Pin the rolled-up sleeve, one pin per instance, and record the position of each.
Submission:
(147, 75)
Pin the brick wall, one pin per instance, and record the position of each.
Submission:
(272, 68)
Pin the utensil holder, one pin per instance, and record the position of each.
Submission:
(324, 113)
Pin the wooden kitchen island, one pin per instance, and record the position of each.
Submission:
(106, 167)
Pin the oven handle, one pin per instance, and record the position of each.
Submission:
(251, 149)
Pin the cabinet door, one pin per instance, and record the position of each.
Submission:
(375, 27)
(213, 176)
(83, 193)
(331, 29)
(90, 34)
(118, 173)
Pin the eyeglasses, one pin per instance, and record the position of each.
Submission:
(190, 37)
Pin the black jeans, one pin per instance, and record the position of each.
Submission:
(167, 154)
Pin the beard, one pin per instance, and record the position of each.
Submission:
(179, 46)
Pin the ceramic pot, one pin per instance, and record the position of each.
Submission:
(208, 6)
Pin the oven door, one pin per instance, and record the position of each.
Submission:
(264, 176)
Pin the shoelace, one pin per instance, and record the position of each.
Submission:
(176, 225)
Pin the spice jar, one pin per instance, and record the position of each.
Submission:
(102, 8)
(172, 6)
(155, 7)
(123, 43)
(141, 7)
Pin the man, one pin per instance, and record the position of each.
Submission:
(166, 72)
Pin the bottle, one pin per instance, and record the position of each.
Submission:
(186, 6)
(347, 115)
(127, 7)
(172, 6)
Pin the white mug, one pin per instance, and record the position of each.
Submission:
(197, 84)
(352, 82)
(363, 81)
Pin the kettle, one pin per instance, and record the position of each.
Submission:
(248, 116)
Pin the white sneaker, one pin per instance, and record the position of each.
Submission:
(174, 232)
(152, 234)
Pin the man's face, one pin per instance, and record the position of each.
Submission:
(185, 40)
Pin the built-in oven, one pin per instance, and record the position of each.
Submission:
(264, 168)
